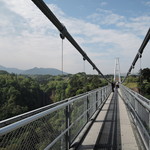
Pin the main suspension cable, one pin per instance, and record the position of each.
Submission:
(49, 14)
(139, 53)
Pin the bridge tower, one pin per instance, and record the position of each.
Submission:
(117, 71)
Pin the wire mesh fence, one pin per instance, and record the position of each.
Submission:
(35, 135)
(55, 128)
(77, 112)
(140, 109)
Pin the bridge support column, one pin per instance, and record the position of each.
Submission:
(117, 71)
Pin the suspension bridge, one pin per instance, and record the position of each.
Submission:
(104, 118)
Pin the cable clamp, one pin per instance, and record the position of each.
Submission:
(62, 32)
(132, 66)
(84, 59)
(140, 55)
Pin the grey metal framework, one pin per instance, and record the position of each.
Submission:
(117, 71)
(139, 107)
(139, 53)
(56, 126)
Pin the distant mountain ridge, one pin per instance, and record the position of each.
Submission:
(43, 71)
(33, 71)
(11, 70)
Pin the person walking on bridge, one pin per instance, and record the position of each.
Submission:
(112, 85)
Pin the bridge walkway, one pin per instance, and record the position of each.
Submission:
(112, 129)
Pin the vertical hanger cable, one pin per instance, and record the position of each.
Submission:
(62, 58)
(62, 61)
(140, 56)
(84, 65)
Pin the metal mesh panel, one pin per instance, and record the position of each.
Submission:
(78, 116)
(144, 134)
(143, 114)
(92, 104)
(35, 135)
(76, 128)
(141, 111)
(60, 144)
(99, 97)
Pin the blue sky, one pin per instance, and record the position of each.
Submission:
(104, 29)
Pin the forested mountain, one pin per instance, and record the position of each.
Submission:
(43, 71)
(20, 93)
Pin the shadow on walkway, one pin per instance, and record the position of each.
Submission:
(110, 137)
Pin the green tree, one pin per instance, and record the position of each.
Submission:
(145, 73)
(144, 82)
(19, 94)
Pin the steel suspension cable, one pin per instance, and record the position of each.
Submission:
(49, 14)
(139, 53)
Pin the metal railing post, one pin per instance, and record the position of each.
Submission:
(104, 93)
(67, 126)
(87, 109)
(96, 100)
(101, 96)
(136, 105)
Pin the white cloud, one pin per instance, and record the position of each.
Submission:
(138, 25)
(30, 16)
(103, 3)
(38, 43)
(105, 17)
(147, 3)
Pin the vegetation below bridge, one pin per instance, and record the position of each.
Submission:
(140, 83)
(22, 93)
